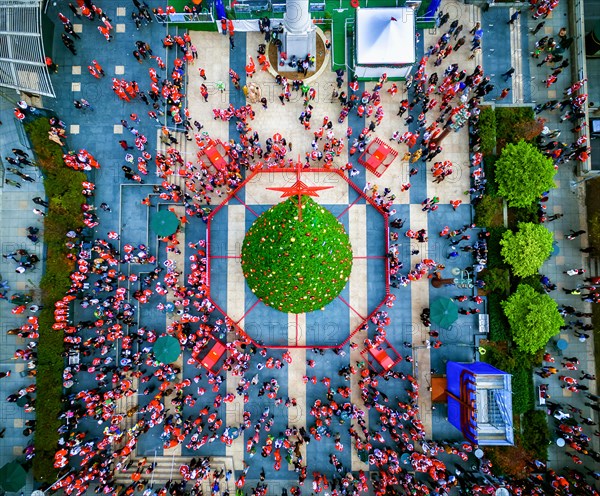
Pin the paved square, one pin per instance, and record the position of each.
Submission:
(171, 206)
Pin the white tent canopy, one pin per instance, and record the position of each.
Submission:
(385, 36)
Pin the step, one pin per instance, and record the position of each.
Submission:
(167, 468)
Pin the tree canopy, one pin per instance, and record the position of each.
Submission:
(533, 318)
(297, 265)
(526, 249)
(523, 173)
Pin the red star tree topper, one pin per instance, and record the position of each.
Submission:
(299, 188)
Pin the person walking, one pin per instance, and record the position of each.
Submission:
(575, 234)
(508, 74)
(514, 17)
(20, 153)
(503, 94)
(537, 28)
(574, 272)
(69, 43)
(553, 217)
(39, 201)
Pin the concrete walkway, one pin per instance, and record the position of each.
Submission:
(528, 87)
(15, 216)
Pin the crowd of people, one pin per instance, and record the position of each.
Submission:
(110, 351)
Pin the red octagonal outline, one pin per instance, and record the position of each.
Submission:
(234, 194)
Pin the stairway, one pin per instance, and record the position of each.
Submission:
(167, 468)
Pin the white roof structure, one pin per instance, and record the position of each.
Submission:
(22, 59)
(385, 36)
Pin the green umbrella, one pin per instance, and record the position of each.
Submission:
(12, 476)
(164, 223)
(444, 312)
(363, 455)
(166, 349)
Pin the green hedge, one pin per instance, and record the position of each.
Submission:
(536, 435)
(497, 280)
(488, 212)
(523, 214)
(499, 329)
(495, 259)
(523, 390)
(489, 167)
(487, 130)
(63, 189)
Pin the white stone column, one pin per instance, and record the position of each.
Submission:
(300, 35)
(296, 19)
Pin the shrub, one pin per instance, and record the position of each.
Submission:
(497, 280)
(526, 249)
(499, 329)
(524, 214)
(63, 189)
(523, 390)
(533, 318)
(512, 124)
(489, 167)
(487, 130)
(535, 282)
(488, 212)
(523, 173)
(511, 461)
(536, 435)
(495, 248)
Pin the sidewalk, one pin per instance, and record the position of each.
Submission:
(564, 199)
(15, 215)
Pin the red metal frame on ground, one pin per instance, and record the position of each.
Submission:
(216, 350)
(381, 356)
(211, 151)
(377, 157)
(234, 194)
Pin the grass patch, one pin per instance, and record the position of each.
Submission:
(63, 189)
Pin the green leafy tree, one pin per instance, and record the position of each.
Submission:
(533, 318)
(523, 173)
(526, 249)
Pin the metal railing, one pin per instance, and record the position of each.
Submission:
(205, 17)
(22, 57)
(576, 20)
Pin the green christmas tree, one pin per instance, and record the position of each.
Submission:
(297, 265)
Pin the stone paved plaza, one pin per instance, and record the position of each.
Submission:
(99, 130)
